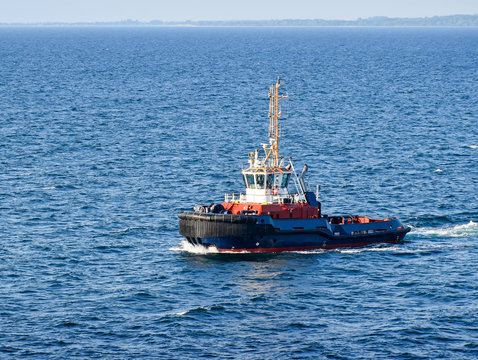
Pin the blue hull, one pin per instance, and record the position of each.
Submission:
(234, 233)
(297, 242)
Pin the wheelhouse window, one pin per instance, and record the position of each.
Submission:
(270, 181)
(250, 181)
(260, 181)
(285, 180)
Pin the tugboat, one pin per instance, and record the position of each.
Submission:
(269, 218)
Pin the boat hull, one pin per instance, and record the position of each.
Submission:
(237, 233)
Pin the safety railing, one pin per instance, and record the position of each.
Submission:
(233, 197)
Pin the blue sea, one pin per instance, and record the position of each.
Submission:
(106, 134)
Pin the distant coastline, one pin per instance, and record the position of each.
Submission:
(377, 21)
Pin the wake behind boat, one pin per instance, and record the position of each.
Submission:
(269, 218)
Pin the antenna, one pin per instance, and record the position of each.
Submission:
(274, 132)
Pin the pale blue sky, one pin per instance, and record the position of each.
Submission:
(146, 10)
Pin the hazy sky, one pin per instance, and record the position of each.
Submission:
(146, 10)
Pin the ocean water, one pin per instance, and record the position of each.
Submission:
(107, 133)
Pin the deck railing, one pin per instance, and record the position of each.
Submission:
(232, 197)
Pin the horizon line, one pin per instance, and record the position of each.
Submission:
(157, 22)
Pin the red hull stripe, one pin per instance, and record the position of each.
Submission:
(302, 248)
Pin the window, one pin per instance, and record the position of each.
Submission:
(277, 180)
(285, 180)
(260, 181)
(250, 181)
(270, 181)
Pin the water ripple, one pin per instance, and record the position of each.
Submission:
(107, 133)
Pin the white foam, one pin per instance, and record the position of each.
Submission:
(49, 188)
(125, 230)
(194, 249)
(180, 313)
(315, 251)
(463, 230)
(367, 249)
(199, 308)
(472, 146)
(438, 171)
